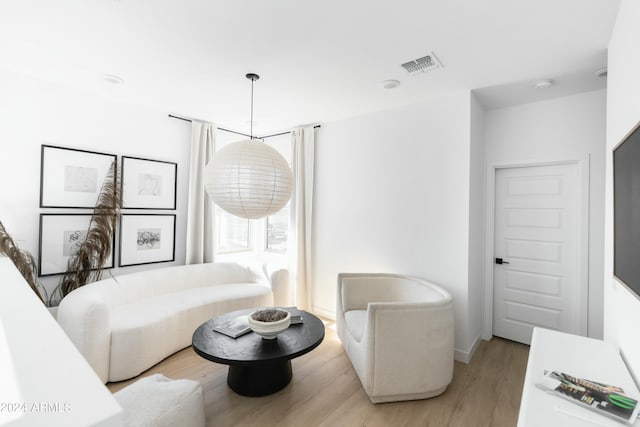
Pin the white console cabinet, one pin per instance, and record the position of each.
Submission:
(578, 356)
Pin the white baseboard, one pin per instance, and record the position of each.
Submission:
(327, 314)
(466, 356)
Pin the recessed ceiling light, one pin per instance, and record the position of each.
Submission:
(601, 72)
(390, 84)
(113, 79)
(543, 84)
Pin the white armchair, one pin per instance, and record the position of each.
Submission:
(398, 332)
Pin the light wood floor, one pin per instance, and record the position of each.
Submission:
(325, 391)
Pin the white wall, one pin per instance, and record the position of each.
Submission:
(476, 219)
(392, 195)
(567, 128)
(34, 112)
(622, 308)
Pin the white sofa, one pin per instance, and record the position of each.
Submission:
(126, 324)
(398, 332)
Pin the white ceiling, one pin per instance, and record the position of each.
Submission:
(319, 61)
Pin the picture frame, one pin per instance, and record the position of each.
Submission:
(148, 184)
(147, 239)
(60, 236)
(72, 178)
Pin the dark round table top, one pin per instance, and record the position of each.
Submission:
(251, 348)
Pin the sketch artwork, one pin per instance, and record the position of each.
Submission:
(149, 184)
(72, 241)
(148, 238)
(79, 179)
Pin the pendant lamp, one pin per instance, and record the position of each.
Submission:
(249, 179)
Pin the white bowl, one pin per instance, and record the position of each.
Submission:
(269, 329)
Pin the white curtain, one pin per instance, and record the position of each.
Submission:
(200, 218)
(301, 210)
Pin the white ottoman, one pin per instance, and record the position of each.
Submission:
(159, 401)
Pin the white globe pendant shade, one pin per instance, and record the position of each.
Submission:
(249, 179)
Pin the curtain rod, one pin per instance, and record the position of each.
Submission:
(239, 133)
(226, 130)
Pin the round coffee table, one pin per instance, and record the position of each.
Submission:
(257, 366)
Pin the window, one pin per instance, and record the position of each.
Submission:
(277, 225)
(278, 230)
(233, 232)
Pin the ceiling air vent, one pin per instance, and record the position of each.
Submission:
(422, 65)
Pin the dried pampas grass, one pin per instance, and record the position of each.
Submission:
(87, 264)
(23, 260)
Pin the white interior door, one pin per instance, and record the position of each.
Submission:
(536, 247)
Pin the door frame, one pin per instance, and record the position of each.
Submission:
(583, 239)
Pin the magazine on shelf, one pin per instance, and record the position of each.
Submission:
(233, 328)
(602, 398)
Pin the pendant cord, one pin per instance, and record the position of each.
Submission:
(251, 131)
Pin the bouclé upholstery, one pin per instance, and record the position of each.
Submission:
(398, 333)
(125, 325)
(158, 401)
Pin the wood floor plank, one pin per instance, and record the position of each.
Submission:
(325, 391)
(511, 393)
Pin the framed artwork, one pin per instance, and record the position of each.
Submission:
(60, 238)
(147, 239)
(148, 184)
(71, 178)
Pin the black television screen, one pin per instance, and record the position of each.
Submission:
(626, 210)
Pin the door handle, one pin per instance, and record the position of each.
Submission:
(501, 261)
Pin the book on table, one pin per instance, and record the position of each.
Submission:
(602, 398)
(233, 328)
(296, 316)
